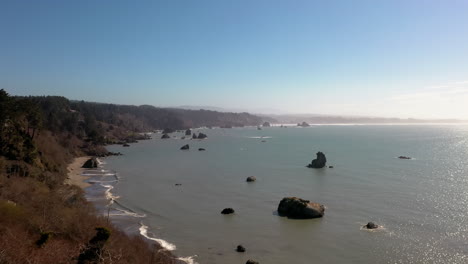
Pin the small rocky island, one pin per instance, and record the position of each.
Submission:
(370, 225)
(303, 124)
(297, 208)
(319, 162)
(227, 211)
(251, 179)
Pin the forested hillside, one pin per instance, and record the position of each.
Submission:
(43, 220)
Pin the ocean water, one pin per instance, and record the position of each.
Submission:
(421, 204)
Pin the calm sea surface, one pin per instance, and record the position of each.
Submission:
(422, 203)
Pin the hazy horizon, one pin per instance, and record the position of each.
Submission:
(361, 58)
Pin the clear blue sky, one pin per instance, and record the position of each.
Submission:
(381, 58)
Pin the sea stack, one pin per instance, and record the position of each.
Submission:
(185, 147)
(227, 211)
(91, 163)
(251, 179)
(371, 225)
(319, 162)
(298, 208)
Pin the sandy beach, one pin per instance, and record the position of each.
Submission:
(75, 171)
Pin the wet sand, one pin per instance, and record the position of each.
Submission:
(75, 171)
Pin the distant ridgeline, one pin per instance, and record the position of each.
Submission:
(43, 220)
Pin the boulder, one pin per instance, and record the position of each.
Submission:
(251, 179)
(126, 145)
(91, 163)
(404, 157)
(371, 225)
(252, 262)
(319, 162)
(194, 136)
(202, 136)
(240, 248)
(331, 167)
(185, 147)
(227, 211)
(188, 132)
(201, 149)
(165, 136)
(266, 124)
(298, 208)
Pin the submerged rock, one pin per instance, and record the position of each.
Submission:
(371, 225)
(240, 248)
(165, 136)
(319, 162)
(404, 157)
(201, 149)
(178, 184)
(331, 167)
(91, 163)
(227, 211)
(251, 179)
(185, 147)
(298, 208)
(259, 128)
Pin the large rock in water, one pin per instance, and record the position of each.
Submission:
(91, 163)
(185, 147)
(227, 211)
(202, 136)
(267, 124)
(251, 179)
(319, 162)
(252, 262)
(165, 136)
(298, 208)
(188, 132)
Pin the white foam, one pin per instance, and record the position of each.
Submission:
(188, 260)
(108, 193)
(261, 137)
(166, 245)
(129, 213)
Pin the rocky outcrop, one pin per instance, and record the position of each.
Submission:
(371, 225)
(227, 211)
(185, 147)
(91, 163)
(304, 124)
(252, 262)
(240, 248)
(251, 179)
(266, 124)
(298, 208)
(319, 162)
(165, 136)
(194, 136)
(125, 145)
(188, 132)
(202, 136)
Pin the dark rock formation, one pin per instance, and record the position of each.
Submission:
(188, 132)
(371, 225)
(165, 136)
(297, 208)
(91, 163)
(201, 135)
(267, 124)
(252, 262)
(185, 147)
(404, 157)
(319, 162)
(126, 145)
(240, 248)
(251, 179)
(259, 128)
(201, 149)
(178, 184)
(194, 136)
(331, 167)
(304, 124)
(227, 211)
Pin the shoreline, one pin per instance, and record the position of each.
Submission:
(75, 171)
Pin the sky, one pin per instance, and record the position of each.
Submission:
(398, 58)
